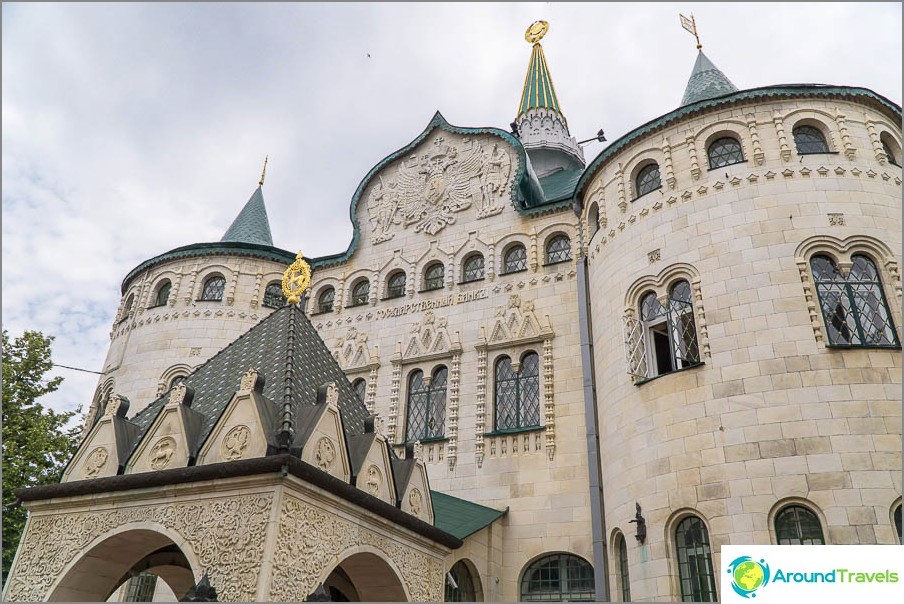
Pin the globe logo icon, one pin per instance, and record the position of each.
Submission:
(748, 575)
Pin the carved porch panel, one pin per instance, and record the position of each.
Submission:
(311, 542)
(224, 536)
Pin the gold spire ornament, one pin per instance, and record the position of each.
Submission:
(536, 31)
(691, 26)
(296, 279)
(264, 171)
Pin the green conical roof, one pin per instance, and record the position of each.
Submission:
(538, 88)
(706, 82)
(251, 225)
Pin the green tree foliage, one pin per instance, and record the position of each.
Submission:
(36, 443)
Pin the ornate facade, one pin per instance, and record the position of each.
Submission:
(517, 358)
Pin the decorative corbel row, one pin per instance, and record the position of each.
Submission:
(534, 262)
(549, 407)
(782, 139)
(692, 150)
(878, 149)
(669, 169)
(394, 393)
(454, 382)
(849, 150)
(758, 155)
(257, 289)
(620, 177)
(480, 426)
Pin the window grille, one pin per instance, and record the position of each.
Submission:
(796, 525)
(395, 287)
(725, 152)
(558, 578)
(515, 259)
(426, 405)
(434, 276)
(517, 393)
(810, 140)
(213, 289)
(648, 180)
(361, 293)
(461, 588)
(624, 581)
(325, 301)
(273, 296)
(695, 565)
(473, 268)
(163, 293)
(141, 588)
(558, 249)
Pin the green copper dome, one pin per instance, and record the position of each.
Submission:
(706, 82)
(251, 225)
(538, 88)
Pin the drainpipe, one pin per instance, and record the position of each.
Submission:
(597, 521)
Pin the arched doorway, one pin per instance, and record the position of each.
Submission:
(103, 568)
(365, 577)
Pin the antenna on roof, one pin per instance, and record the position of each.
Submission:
(264, 171)
(691, 26)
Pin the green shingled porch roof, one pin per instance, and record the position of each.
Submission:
(459, 517)
(538, 88)
(251, 225)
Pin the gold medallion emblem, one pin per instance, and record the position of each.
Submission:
(536, 31)
(296, 279)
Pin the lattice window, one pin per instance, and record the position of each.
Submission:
(395, 286)
(360, 293)
(426, 405)
(273, 295)
(515, 259)
(213, 288)
(624, 583)
(725, 151)
(558, 249)
(558, 578)
(141, 588)
(360, 386)
(434, 276)
(889, 152)
(517, 393)
(461, 586)
(472, 269)
(854, 307)
(809, 140)
(325, 300)
(648, 180)
(163, 292)
(796, 525)
(665, 337)
(695, 565)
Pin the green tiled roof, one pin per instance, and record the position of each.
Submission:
(251, 225)
(459, 517)
(560, 185)
(538, 88)
(706, 82)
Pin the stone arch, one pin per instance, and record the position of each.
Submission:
(374, 576)
(108, 561)
(821, 120)
(895, 507)
(637, 163)
(660, 283)
(167, 377)
(785, 502)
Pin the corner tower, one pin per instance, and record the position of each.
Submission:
(540, 124)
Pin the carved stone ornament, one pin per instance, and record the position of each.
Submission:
(374, 480)
(332, 394)
(325, 454)
(428, 189)
(234, 443)
(178, 394)
(249, 378)
(162, 452)
(416, 501)
(113, 405)
(95, 462)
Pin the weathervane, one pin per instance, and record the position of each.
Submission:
(264, 171)
(691, 26)
(536, 31)
(296, 279)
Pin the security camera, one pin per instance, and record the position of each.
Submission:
(451, 581)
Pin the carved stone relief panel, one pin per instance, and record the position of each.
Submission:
(225, 534)
(95, 462)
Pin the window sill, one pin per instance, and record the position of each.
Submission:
(426, 441)
(472, 281)
(432, 289)
(392, 298)
(220, 300)
(659, 188)
(520, 270)
(357, 305)
(819, 153)
(864, 346)
(557, 262)
(514, 431)
(156, 306)
(321, 312)
(743, 161)
(656, 377)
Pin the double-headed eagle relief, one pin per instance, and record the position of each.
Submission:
(430, 187)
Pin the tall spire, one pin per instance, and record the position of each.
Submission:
(540, 124)
(706, 82)
(252, 224)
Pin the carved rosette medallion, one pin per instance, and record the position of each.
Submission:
(162, 452)
(325, 454)
(416, 501)
(95, 462)
(234, 443)
(374, 480)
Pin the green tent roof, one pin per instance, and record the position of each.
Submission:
(459, 517)
(706, 82)
(538, 88)
(251, 225)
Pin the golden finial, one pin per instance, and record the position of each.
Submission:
(296, 279)
(691, 26)
(536, 31)
(264, 171)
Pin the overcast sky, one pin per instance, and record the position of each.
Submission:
(131, 129)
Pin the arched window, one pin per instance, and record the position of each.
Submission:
(472, 268)
(176, 379)
(647, 180)
(273, 295)
(624, 583)
(325, 300)
(517, 393)
(892, 151)
(461, 586)
(426, 405)
(434, 276)
(127, 308)
(213, 288)
(897, 517)
(725, 151)
(163, 292)
(593, 220)
(558, 578)
(797, 525)
(395, 285)
(695, 565)
(360, 293)
(360, 386)
(515, 259)
(853, 307)
(558, 249)
(810, 140)
(141, 587)
(669, 332)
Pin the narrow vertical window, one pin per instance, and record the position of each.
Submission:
(624, 584)
(695, 565)
(213, 289)
(325, 300)
(360, 386)
(360, 293)
(395, 286)
(472, 268)
(517, 393)
(426, 405)
(461, 586)
(434, 276)
(163, 292)
(796, 525)
(273, 295)
(515, 259)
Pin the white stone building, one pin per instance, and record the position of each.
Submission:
(697, 333)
